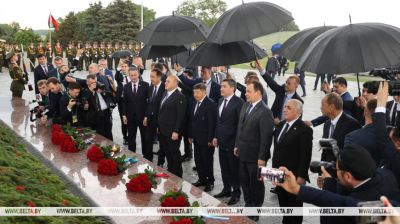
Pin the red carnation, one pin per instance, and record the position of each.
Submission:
(140, 183)
(69, 145)
(181, 201)
(31, 204)
(183, 221)
(95, 154)
(107, 167)
(20, 188)
(56, 127)
(57, 137)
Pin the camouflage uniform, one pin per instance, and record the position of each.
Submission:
(2, 56)
(18, 83)
(32, 56)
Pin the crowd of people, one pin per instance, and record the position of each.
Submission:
(207, 114)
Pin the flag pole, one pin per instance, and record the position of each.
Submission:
(50, 22)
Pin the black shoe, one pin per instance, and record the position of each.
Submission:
(186, 158)
(222, 194)
(273, 190)
(315, 88)
(125, 141)
(303, 95)
(233, 200)
(209, 187)
(194, 168)
(199, 184)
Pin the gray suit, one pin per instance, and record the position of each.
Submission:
(253, 139)
(221, 77)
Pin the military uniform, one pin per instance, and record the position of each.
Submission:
(86, 56)
(17, 50)
(109, 52)
(116, 59)
(32, 56)
(49, 54)
(58, 51)
(18, 83)
(94, 54)
(70, 53)
(2, 56)
(40, 50)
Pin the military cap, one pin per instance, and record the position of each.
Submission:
(10, 54)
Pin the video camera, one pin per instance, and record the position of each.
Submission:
(39, 108)
(387, 74)
(327, 144)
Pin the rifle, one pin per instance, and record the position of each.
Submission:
(26, 74)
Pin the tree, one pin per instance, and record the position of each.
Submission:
(7, 31)
(25, 37)
(207, 11)
(67, 29)
(292, 26)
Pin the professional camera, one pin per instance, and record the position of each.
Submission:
(327, 144)
(387, 74)
(271, 174)
(39, 109)
(100, 86)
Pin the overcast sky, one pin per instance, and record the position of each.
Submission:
(307, 13)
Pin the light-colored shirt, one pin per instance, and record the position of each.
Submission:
(290, 123)
(208, 86)
(198, 104)
(103, 104)
(221, 108)
(334, 122)
(288, 96)
(253, 105)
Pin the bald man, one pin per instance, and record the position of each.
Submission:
(171, 119)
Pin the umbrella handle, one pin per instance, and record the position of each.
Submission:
(358, 84)
(254, 50)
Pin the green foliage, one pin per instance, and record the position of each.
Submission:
(25, 37)
(7, 31)
(292, 26)
(18, 168)
(120, 163)
(207, 11)
(67, 29)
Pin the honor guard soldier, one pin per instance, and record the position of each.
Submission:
(109, 52)
(17, 75)
(49, 53)
(2, 55)
(17, 51)
(102, 51)
(32, 55)
(117, 47)
(70, 53)
(40, 49)
(86, 55)
(58, 50)
(94, 54)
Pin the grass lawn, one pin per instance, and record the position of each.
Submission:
(25, 180)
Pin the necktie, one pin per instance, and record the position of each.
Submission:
(45, 69)
(283, 132)
(164, 98)
(134, 89)
(153, 96)
(247, 111)
(223, 107)
(216, 78)
(331, 130)
(197, 107)
(283, 106)
(126, 79)
(394, 113)
(97, 102)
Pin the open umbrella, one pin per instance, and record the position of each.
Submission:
(173, 30)
(295, 46)
(352, 49)
(214, 54)
(151, 51)
(249, 21)
(122, 54)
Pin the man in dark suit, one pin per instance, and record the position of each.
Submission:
(41, 71)
(229, 107)
(203, 113)
(392, 111)
(135, 103)
(122, 78)
(283, 93)
(70, 111)
(365, 136)
(292, 149)
(171, 119)
(250, 76)
(253, 142)
(213, 88)
(154, 96)
(272, 66)
(56, 92)
(338, 125)
(55, 71)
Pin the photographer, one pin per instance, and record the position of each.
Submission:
(56, 92)
(356, 172)
(43, 100)
(97, 113)
(388, 148)
(71, 107)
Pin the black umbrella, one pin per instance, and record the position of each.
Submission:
(173, 30)
(151, 51)
(122, 54)
(182, 58)
(214, 54)
(249, 21)
(352, 49)
(296, 45)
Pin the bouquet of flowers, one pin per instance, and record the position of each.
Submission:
(112, 166)
(142, 182)
(70, 139)
(97, 153)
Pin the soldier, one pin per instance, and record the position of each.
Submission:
(17, 51)
(116, 48)
(18, 84)
(70, 53)
(94, 53)
(58, 50)
(109, 52)
(87, 56)
(49, 53)
(2, 55)
(102, 51)
(40, 49)
(32, 55)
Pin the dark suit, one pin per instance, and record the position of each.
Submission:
(171, 119)
(280, 93)
(292, 150)
(215, 88)
(345, 125)
(202, 129)
(242, 89)
(366, 138)
(152, 110)
(134, 109)
(119, 78)
(390, 111)
(54, 73)
(67, 116)
(253, 139)
(54, 106)
(225, 133)
(40, 74)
